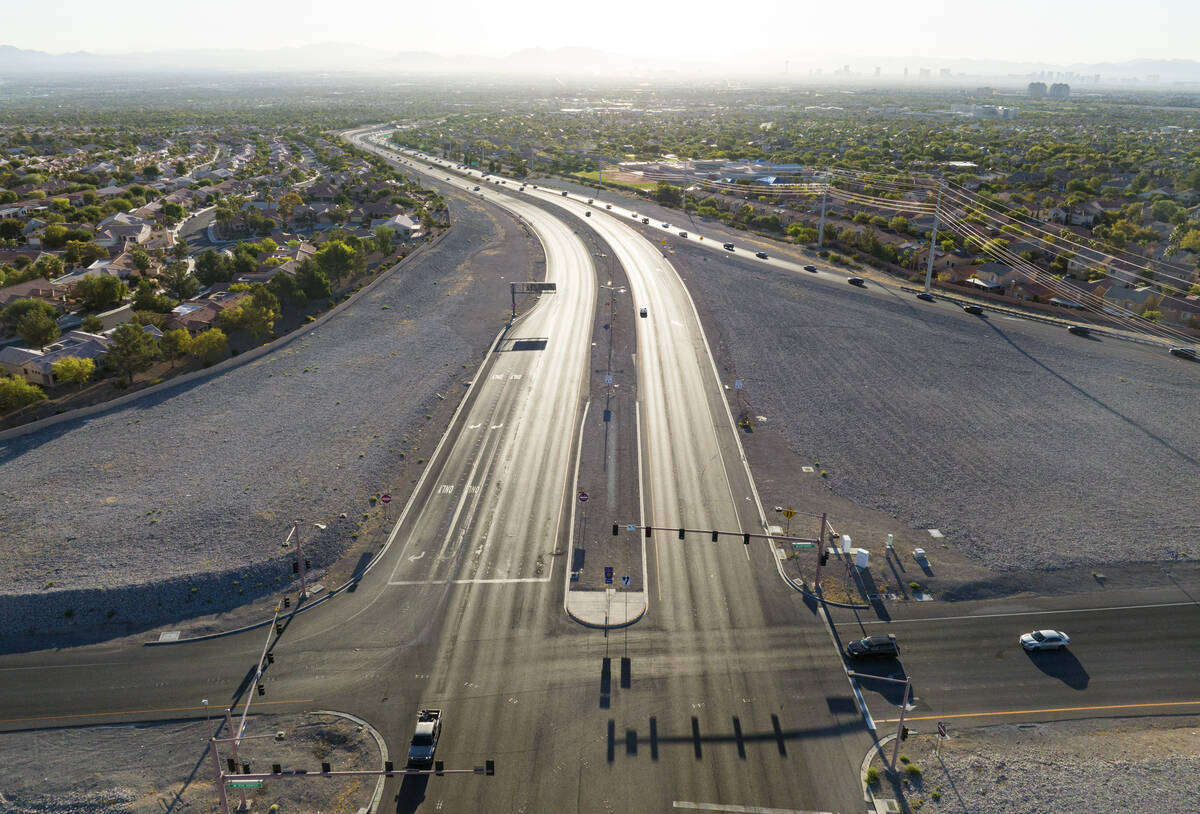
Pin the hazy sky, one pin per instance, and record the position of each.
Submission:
(1015, 30)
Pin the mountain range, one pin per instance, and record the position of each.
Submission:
(576, 61)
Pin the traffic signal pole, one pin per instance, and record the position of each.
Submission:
(907, 682)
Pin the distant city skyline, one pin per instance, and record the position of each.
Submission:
(770, 31)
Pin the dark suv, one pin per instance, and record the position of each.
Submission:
(873, 647)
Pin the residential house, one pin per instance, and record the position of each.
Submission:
(197, 315)
(39, 289)
(405, 226)
(37, 366)
(1181, 310)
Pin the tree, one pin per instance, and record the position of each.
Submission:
(16, 393)
(83, 253)
(37, 329)
(73, 369)
(898, 224)
(180, 249)
(175, 344)
(19, 308)
(210, 346)
(99, 291)
(11, 229)
(147, 298)
(312, 280)
(141, 260)
(383, 238)
(48, 266)
(133, 350)
(287, 204)
(178, 281)
(214, 267)
(336, 259)
(92, 324)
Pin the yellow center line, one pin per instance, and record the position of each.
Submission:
(1036, 711)
(139, 712)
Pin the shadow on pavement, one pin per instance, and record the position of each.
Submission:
(889, 691)
(360, 568)
(1060, 664)
(412, 793)
(737, 736)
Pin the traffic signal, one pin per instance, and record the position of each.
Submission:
(824, 558)
(681, 534)
(648, 532)
(279, 628)
(296, 567)
(287, 601)
(714, 536)
(616, 529)
(388, 766)
(245, 768)
(261, 689)
(324, 767)
(904, 733)
(746, 539)
(489, 767)
(307, 564)
(438, 767)
(232, 766)
(276, 768)
(270, 658)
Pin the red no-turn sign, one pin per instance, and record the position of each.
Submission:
(385, 498)
(583, 496)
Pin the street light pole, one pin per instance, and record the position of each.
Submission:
(907, 682)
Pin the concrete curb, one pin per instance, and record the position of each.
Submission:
(377, 797)
(876, 750)
(801, 588)
(221, 367)
(637, 617)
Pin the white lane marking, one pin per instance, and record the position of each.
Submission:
(416, 557)
(1021, 613)
(742, 809)
(497, 581)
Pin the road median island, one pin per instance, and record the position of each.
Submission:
(605, 572)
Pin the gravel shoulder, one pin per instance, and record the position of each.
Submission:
(176, 506)
(156, 767)
(1075, 767)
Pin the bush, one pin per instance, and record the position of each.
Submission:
(872, 776)
(913, 770)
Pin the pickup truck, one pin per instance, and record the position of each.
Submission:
(425, 738)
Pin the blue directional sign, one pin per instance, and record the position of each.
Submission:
(625, 580)
(608, 575)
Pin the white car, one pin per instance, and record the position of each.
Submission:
(1045, 640)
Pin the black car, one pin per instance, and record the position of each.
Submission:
(1184, 352)
(727, 247)
(925, 295)
(813, 269)
(881, 647)
(858, 281)
(1080, 330)
(761, 255)
(973, 309)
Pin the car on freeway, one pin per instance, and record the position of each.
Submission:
(925, 295)
(1079, 330)
(973, 309)
(858, 281)
(813, 269)
(683, 234)
(587, 214)
(874, 647)
(727, 247)
(633, 214)
(761, 255)
(564, 193)
(608, 206)
(666, 225)
(475, 189)
(1045, 640)
(590, 200)
(646, 220)
(643, 312)
(1184, 352)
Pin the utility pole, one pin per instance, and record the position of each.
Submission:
(820, 554)
(907, 682)
(234, 743)
(212, 746)
(933, 238)
(300, 561)
(821, 226)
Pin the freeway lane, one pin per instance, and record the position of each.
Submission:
(971, 666)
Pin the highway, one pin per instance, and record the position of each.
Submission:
(733, 694)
